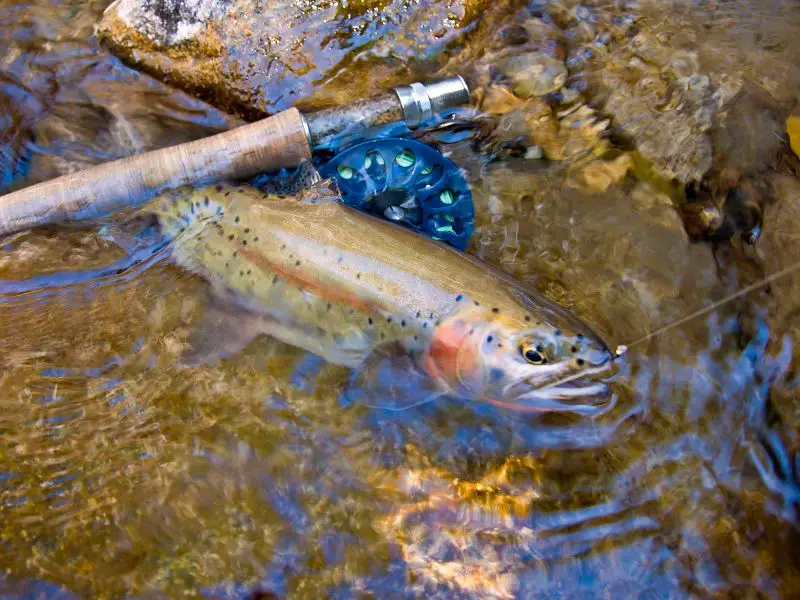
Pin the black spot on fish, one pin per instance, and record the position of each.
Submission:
(579, 336)
(557, 332)
(249, 272)
(477, 303)
(244, 242)
(255, 239)
(275, 279)
(236, 220)
(540, 347)
(403, 323)
(119, 271)
(206, 200)
(191, 207)
(283, 247)
(489, 339)
(297, 263)
(471, 331)
(527, 317)
(574, 349)
(247, 230)
(183, 229)
(459, 298)
(227, 194)
(358, 275)
(438, 322)
(418, 315)
(383, 336)
(370, 321)
(227, 265)
(495, 310)
(388, 319)
(218, 188)
(580, 362)
(416, 337)
(230, 237)
(241, 273)
(328, 307)
(425, 325)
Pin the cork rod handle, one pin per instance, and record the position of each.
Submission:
(267, 145)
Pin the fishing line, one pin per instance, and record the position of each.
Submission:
(426, 400)
(710, 308)
(622, 349)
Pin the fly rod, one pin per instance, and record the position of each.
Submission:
(285, 139)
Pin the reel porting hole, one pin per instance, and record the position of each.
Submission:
(406, 182)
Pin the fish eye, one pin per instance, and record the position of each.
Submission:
(533, 355)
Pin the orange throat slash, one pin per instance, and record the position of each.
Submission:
(451, 359)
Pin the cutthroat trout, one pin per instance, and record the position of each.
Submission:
(346, 286)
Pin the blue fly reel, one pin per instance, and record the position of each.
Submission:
(407, 182)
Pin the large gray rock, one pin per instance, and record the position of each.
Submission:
(259, 57)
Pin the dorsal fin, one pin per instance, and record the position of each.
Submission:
(321, 192)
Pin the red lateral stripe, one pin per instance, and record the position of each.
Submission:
(304, 282)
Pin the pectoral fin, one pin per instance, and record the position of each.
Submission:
(221, 333)
(390, 380)
(229, 325)
(133, 232)
(322, 192)
(305, 184)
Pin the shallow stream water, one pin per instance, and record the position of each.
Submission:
(122, 475)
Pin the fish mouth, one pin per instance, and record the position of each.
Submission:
(581, 393)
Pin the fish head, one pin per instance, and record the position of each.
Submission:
(533, 355)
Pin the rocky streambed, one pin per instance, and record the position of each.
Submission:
(629, 159)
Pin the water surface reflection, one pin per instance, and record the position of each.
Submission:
(122, 474)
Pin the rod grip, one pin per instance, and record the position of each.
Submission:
(266, 145)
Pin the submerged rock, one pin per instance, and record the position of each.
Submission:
(748, 146)
(259, 57)
(599, 175)
(168, 22)
(535, 74)
(793, 131)
(66, 105)
(697, 97)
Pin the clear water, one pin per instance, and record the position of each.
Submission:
(122, 475)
